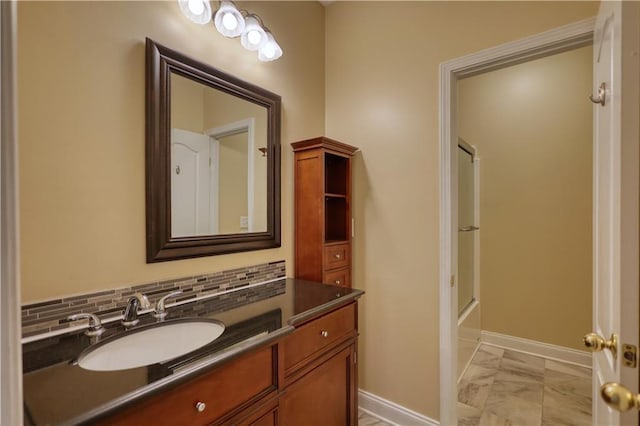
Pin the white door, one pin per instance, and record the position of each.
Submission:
(190, 184)
(615, 197)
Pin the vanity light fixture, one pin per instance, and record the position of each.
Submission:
(231, 22)
(228, 20)
(198, 11)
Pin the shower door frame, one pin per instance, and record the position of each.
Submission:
(547, 43)
(475, 301)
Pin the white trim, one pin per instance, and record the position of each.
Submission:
(533, 347)
(391, 412)
(10, 349)
(214, 189)
(248, 125)
(464, 370)
(546, 43)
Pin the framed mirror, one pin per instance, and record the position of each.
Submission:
(212, 160)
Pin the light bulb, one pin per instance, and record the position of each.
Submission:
(253, 36)
(196, 6)
(270, 51)
(198, 11)
(229, 21)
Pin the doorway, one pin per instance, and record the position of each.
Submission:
(561, 39)
(536, 264)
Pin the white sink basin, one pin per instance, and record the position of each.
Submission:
(150, 344)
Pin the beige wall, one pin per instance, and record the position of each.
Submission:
(81, 132)
(533, 131)
(236, 109)
(187, 104)
(382, 95)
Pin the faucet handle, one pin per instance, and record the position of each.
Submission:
(95, 325)
(161, 310)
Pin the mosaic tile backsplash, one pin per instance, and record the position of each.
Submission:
(52, 315)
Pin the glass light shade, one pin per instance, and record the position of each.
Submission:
(270, 51)
(253, 36)
(198, 11)
(228, 20)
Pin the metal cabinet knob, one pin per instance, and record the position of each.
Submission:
(618, 397)
(338, 256)
(596, 343)
(200, 406)
(338, 282)
(324, 333)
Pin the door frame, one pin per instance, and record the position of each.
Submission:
(246, 125)
(557, 40)
(10, 332)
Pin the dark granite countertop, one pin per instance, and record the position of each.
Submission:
(56, 391)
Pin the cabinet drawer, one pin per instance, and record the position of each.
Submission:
(337, 256)
(317, 335)
(341, 277)
(230, 386)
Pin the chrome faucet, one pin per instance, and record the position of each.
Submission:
(161, 311)
(136, 302)
(95, 325)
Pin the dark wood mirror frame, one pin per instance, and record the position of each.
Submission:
(161, 62)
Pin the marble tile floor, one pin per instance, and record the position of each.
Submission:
(504, 387)
(366, 419)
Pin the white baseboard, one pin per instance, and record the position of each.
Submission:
(391, 412)
(466, 366)
(545, 350)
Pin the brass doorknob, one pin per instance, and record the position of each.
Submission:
(618, 397)
(596, 343)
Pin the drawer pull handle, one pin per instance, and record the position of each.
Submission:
(338, 256)
(200, 406)
(338, 282)
(324, 333)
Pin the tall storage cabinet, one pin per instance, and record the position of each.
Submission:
(323, 210)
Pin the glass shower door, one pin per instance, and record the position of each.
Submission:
(466, 226)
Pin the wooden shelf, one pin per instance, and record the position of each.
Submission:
(323, 210)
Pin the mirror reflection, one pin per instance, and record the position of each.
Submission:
(218, 162)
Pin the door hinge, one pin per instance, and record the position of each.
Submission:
(452, 281)
(355, 357)
(629, 355)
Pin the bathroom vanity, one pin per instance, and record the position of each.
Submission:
(287, 360)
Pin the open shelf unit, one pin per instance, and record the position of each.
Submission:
(323, 210)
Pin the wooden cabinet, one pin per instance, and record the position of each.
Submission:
(323, 210)
(323, 396)
(214, 396)
(315, 337)
(306, 378)
(320, 371)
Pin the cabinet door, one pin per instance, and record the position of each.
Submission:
(266, 415)
(325, 396)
